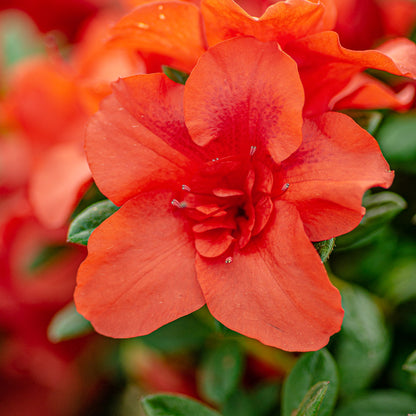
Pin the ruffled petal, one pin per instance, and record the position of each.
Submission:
(282, 22)
(337, 162)
(169, 29)
(124, 135)
(275, 290)
(326, 67)
(140, 270)
(58, 183)
(366, 93)
(245, 94)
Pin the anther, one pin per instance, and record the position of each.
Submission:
(186, 188)
(228, 260)
(178, 204)
(253, 150)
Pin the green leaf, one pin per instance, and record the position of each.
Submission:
(311, 368)
(221, 371)
(324, 248)
(88, 220)
(379, 403)
(184, 334)
(368, 120)
(175, 75)
(381, 208)
(68, 324)
(175, 405)
(396, 137)
(47, 255)
(363, 344)
(410, 364)
(313, 399)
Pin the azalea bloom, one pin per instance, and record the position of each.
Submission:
(176, 33)
(223, 186)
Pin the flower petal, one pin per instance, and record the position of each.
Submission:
(275, 290)
(326, 67)
(245, 93)
(281, 22)
(58, 183)
(366, 93)
(124, 135)
(169, 29)
(337, 162)
(140, 272)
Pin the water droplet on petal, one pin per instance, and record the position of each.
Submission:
(228, 260)
(162, 16)
(186, 188)
(142, 25)
(285, 187)
(215, 159)
(253, 150)
(160, 7)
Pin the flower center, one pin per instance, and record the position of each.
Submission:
(228, 202)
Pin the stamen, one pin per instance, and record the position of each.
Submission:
(253, 150)
(178, 204)
(228, 260)
(186, 188)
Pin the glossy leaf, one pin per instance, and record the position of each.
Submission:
(410, 364)
(312, 401)
(363, 344)
(184, 334)
(221, 371)
(381, 208)
(88, 220)
(175, 75)
(175, 405)
(379, 403)
(68, 324)
(396, 137)
(312, 368)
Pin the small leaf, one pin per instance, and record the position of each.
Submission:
(313, 399)
(324, 248)
(221, 371)
(410, 364)
(311, 368)
(379, 403)
(396, 137)
(68, 324)
(175, 75)
(381, 208)
(175, 405)
(184, 334)
(363, 344)
(88, 220)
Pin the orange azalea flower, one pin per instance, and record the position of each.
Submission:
(175, 33)
(223, 186)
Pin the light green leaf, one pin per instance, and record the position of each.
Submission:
(313, 399)
(68, 324)
(88, 220)
(410, 364)
(175, 405)
(363, 344)
(311, 368)
(221, 371)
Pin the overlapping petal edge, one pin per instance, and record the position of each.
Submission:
(222, 200)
